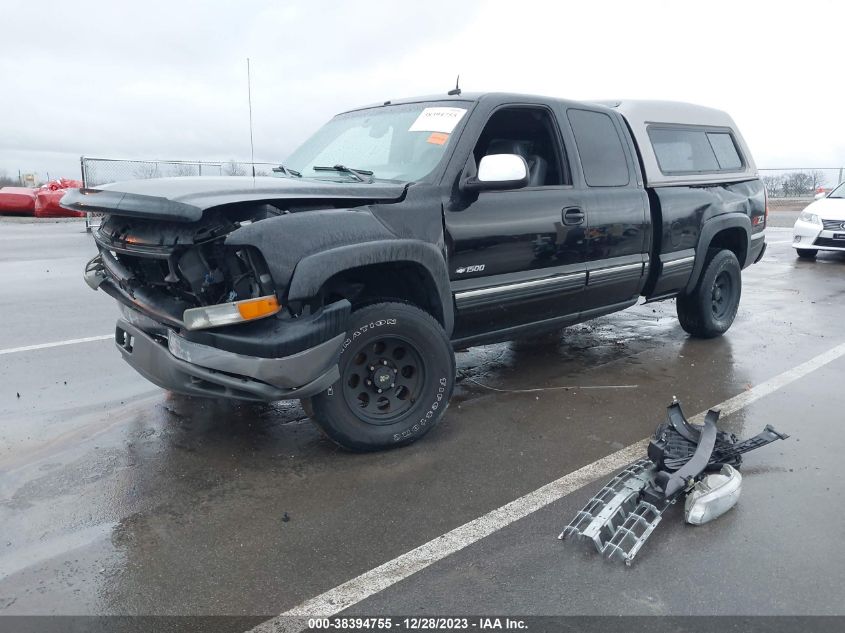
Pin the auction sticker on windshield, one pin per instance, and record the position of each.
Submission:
(437, 138)
(437, 120)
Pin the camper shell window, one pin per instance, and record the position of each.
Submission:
(694, 150)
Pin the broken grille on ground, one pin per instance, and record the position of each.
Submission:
(623, 514)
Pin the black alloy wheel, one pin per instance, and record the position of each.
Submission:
(397, 372)
(721, 295)
(383, 378)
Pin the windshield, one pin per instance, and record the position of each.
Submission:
(839, 192)
(402, 143)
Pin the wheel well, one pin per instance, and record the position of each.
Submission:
(733, 239)
(400, 281)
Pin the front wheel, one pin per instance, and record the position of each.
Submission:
(710, 309)
(397, 372)
(807, 253)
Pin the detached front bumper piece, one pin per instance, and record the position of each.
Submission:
(191, 368)
(621, 516)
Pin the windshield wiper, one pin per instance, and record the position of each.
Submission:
(363, 175)
(287, 171)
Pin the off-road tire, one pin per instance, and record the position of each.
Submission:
(710, 309)
(386, 339)
(806, 253)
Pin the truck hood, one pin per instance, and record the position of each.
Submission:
(185, 199)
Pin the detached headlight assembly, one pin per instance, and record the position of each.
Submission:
(812, 218)
(713, 496)
(230, 313)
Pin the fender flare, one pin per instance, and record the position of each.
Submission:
(313, 271)
(708, 231)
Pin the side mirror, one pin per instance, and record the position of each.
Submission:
(820, 195)
(498, 171)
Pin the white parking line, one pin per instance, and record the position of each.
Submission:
(72, 341)
(372, 582)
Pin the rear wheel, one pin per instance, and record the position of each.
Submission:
(397, 371)
(807, 253)
(710, 309)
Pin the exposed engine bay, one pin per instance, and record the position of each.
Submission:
(164, 268)
(189, 262)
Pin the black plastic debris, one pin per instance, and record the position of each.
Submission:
(624, 513)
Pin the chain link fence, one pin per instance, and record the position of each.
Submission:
(785, 186)
(100, 171)
(800, 182)
(796, 182)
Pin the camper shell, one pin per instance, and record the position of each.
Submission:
(646, 118)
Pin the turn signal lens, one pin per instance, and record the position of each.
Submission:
(230, 313)
(257, 308)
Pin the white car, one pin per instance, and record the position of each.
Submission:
(821, 226)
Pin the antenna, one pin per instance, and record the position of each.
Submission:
(457, 89)
(249, 98)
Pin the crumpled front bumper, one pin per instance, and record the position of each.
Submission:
(262, 360)
(199, 370)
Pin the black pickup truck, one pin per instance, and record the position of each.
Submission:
(402, 231)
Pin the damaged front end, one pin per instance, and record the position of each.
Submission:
(205, 290)
(203, 317)
(165, 268)
(623, 514)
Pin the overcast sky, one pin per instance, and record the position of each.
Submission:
(168, 79)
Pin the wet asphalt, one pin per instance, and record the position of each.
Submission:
(119, 498)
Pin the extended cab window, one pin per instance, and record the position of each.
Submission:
(528, 132)
(600, 148)
(685, 150)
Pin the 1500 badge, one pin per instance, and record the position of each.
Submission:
(469, 269)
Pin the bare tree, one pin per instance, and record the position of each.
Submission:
(819, 179)
(797, 183)
(233, 168)
(8, 181)
(144, 171)
(184, 169)
(773, 184)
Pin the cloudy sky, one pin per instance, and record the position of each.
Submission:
(168, 79)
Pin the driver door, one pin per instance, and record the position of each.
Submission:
(517, 257)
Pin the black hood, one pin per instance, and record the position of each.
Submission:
(185, 199)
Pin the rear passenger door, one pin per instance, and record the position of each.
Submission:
(617, 221)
